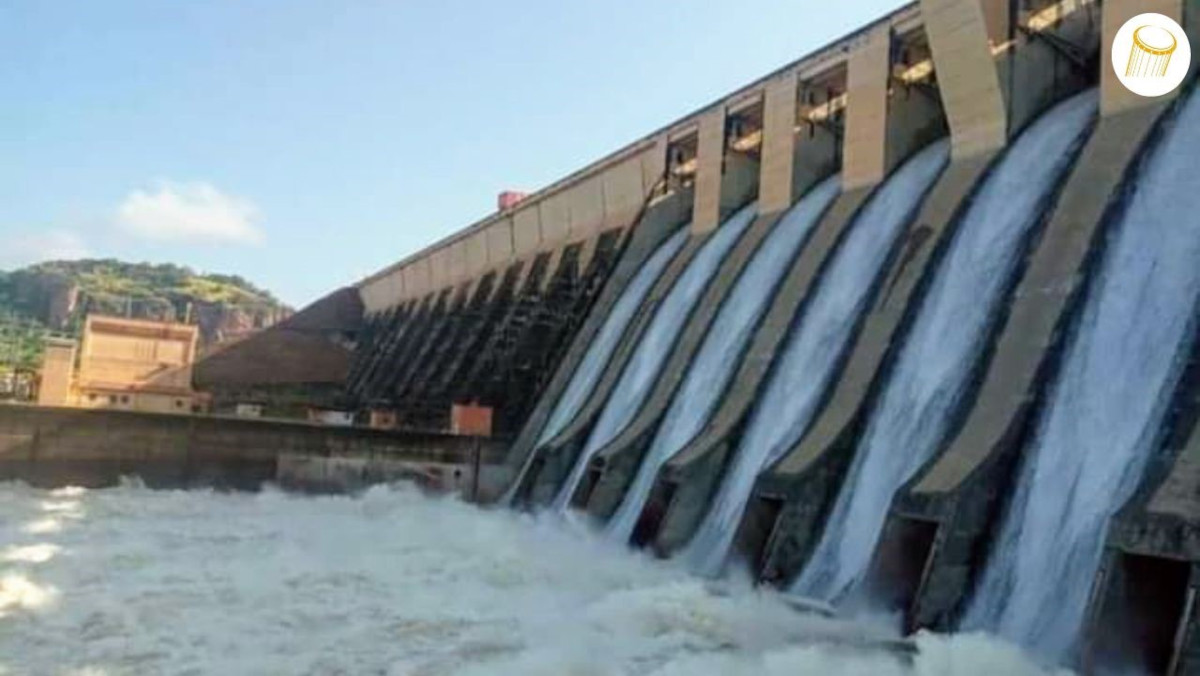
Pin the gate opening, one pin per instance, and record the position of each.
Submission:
(1142, 616)
(754, 533)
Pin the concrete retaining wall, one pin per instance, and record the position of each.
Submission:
(52, 447)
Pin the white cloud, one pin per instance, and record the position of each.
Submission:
(24, 248)
(190, 212)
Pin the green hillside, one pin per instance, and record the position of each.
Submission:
(36, 300)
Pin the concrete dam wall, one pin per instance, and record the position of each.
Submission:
(904, 413)
(910, 324)
(55, 447)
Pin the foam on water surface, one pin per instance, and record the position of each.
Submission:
(390, 582)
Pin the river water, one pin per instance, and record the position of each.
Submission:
(132, 581)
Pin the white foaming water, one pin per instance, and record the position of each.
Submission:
(391, 582)
(806, 367)
(946, 340)
(718, 356)
(583, 379)
(1106, 410)
(655, 345)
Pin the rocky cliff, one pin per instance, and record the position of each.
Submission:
(56, 296)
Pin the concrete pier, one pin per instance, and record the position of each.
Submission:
(1144, 603)
(959, 496)
(905, 118)
(800, 489)
(981, 98)
(960, 491)
(660, 220)
(556, 457)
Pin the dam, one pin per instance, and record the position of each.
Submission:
(906, 329)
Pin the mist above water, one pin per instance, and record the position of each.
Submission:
(132, 581)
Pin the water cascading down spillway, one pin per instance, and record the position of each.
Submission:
(584, 379)
(600, 350)
(726, 341)
(654, 347)
(820, 333)
(1104, 415)
(951, 328)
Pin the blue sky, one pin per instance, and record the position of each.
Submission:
(304, 144)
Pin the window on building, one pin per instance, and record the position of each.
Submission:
(124, 398)
(91, 396)
(112, 398)
(178, 403)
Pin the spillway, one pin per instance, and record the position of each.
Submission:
(584, 378)
(655, 345)
(1105, 412)
(723, 347)
(934, 366)
(819, 335)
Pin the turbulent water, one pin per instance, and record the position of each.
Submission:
(720, 354)
(808, 361)
(655, 345)
(588, 372)
(126, 581)
(1106, 409)
(935, 363)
